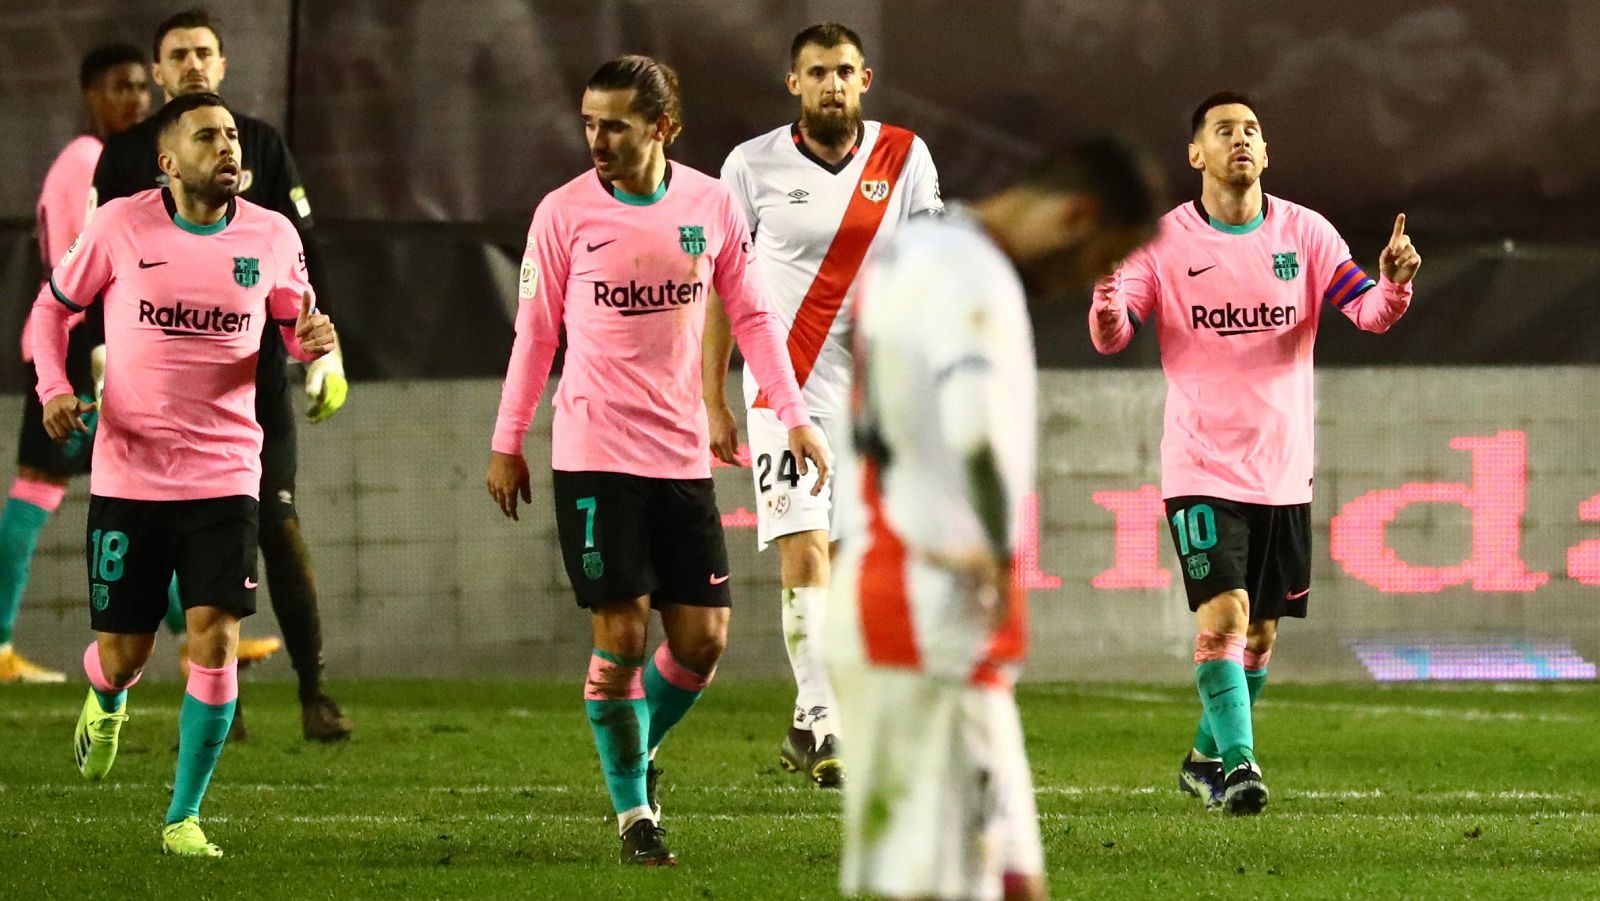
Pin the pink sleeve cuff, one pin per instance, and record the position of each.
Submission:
(794, 415)
(506, 442)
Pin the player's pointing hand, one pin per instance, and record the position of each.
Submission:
(1399, 261)
(314, 329)
(63, 415)
(807, 444)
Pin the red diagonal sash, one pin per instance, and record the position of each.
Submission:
(862, 217)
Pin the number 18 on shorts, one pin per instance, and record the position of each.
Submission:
(135, 548)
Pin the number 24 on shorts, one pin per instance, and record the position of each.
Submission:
(788, 471)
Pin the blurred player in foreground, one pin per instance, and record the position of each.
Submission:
(926, 629)
(819, 193)
(1236, 284)
(117, 93)
(188, 276)
(623, 257)
(189, 59)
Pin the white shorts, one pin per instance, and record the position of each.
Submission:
(784, 505)
(938, 798)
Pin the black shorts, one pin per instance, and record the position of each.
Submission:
(624, 536)
(1230, 546)
(34, 446)
(135, 548)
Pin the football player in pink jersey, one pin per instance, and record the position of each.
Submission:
(622, 258)
(820, 193)
(116, 90)
(188, 277)
(1234, 288)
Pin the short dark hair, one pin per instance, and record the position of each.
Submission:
(1128, 187)
(168, 115)
(102, 59)
(1220, 98)
(826, 35)
(654, 85)
(199, 17)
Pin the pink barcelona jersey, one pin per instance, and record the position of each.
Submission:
(628, 278)
(1236, 309)
(184, 309)
(64, 206)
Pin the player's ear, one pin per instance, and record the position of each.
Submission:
(866, 80)
(792, 82)
(1197, 160)
(168, 165)
(1263, 155)
(222, 71)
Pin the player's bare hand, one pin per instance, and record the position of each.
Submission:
(1399, 261)
(63, 416)
(508, 480)
(1108, 307)
(724, 433)
(313, 329)
(983, 576)
(808, 446)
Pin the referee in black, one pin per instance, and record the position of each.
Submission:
(188, 59)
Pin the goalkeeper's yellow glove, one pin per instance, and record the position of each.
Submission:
(326, 386)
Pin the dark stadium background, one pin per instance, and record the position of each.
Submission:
(427, 130)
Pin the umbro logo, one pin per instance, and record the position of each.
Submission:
(798, 195)
(144, 265)
(594, 247)
(1194, 272)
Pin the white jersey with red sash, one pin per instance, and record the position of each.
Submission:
(814, 225)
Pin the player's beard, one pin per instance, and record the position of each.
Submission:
(210, 191)
(831, 127)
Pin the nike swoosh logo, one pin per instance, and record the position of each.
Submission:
(1297, 595)
(595, 247)
(214, 744)
(1219, 693)
(1194, 272)
(718, 581)
(144, 265)
(250, 583)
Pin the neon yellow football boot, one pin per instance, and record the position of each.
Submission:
(185, 839)
(94, 742)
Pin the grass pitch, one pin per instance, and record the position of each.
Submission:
(493, 790)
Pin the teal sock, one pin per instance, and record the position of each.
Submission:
(177, 622)
(1226, 696)
(621, 729)
(670, 689)
(20, 524)
(202, 728)
(111, 701)
(1204, 741)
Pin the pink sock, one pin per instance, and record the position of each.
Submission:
(1218, 646)
(679, 675)
(43, 495)
(214, 686)
(97, 675)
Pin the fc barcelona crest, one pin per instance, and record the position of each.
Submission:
(593, 566)
(875, 190)
(246, 271)
(692, 238)
(1285, 266)
(1198, 566)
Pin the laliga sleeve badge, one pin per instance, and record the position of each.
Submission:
(528, 280)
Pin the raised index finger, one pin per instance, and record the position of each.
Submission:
(1399, 228)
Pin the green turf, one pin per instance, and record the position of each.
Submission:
(454, 790)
